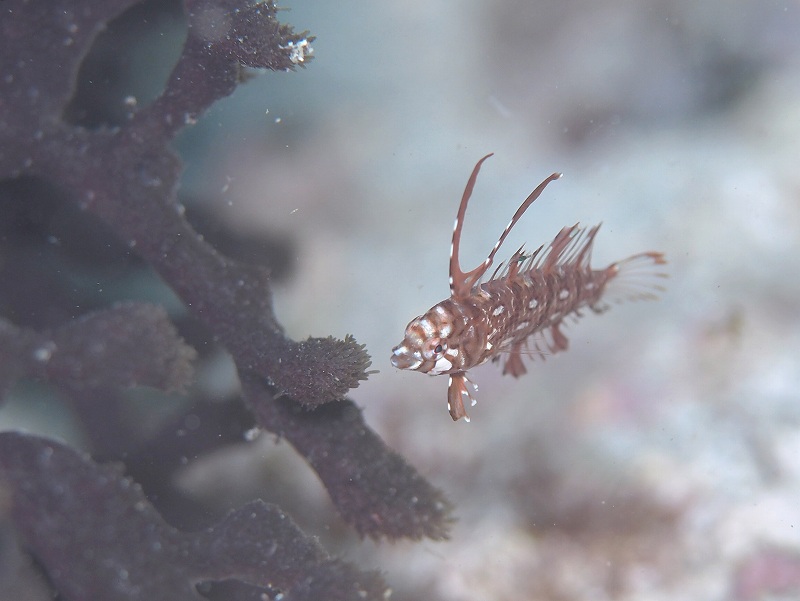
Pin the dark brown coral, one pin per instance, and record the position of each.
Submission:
(126, 177)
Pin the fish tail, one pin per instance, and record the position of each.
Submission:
(636, 278)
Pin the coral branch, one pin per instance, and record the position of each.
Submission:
(128, 177)
(97, 537)
(42, 45)
(131, 344)
(372, 487)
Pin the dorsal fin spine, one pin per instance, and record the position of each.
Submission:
(461, 283)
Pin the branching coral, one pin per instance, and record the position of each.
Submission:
(99, 538)
(127, 177)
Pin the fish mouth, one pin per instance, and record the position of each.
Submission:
(405, 358)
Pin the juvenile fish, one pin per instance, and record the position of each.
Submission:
(519, 309)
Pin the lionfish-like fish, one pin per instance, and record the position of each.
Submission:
(522, 305)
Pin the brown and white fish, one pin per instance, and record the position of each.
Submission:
(519, 309)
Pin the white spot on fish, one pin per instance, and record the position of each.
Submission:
(563, 294)
(427, 327)
(498, 311)
(533, 303)
(441, 366)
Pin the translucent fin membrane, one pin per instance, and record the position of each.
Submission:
(636, 278)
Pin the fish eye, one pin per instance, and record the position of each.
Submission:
(433, 348)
